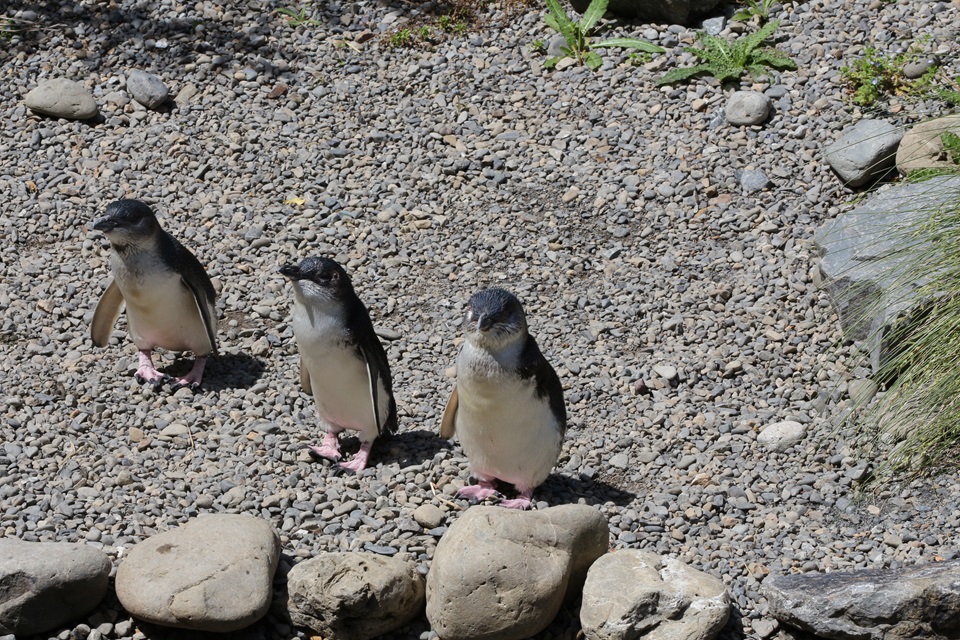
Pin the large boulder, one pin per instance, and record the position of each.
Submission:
(918, 602)
(44, 585)
(503, 574)
(354, 596)
(661, 11)
(62, 98)
(922, 147)
(864, 152)
(214, 573)
(632, 594)
(865, 254)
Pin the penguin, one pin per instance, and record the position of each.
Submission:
(168, 295)
(342, 362)
(507, 406)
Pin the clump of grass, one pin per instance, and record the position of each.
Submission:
(951, 147)
(920, 368)
(727, 60)
(297, 17)
(755, 8)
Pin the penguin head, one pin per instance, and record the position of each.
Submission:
(494, 317)
(127, 222)
(319, 278)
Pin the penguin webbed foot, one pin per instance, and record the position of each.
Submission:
(154, 377)
(359, 462)
(328, 449)
(478, 492)
(192, 380)
(523, 501)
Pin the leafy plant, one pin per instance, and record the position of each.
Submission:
(876, 74)
(537, 46)
(727, 60)
(578, 35)
(297, 17)
(758, 8)
(401, 38)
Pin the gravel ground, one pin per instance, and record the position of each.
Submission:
(611, 207)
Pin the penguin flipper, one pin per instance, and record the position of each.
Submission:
(305, 378)
(448, 425)
(205, 307)
(374, 358)
(106, 314)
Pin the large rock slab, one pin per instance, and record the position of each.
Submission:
(632, 594)
(662, 11)
(214, 573)
(44, 585)
(62, 98)
(918, 602)
(503, 574)
(354, 596)
(865, 152)
(864, 258)
(922, 148)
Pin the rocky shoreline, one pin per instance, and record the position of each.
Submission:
(673, 291)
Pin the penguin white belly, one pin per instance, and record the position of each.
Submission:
(162, 312)
(506, 430)
(339, 379)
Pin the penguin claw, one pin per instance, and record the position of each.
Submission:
(476, 492)
(157, 380)
(328, 453)
(516, 503)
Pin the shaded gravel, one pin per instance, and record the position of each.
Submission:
(614, 209)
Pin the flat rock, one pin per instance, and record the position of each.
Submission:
(354, 596)
(46, 584)
(62, 98)
(503, 574)
(864, 152)
(214, 573)
(747, 108)
(863, 260)
(922, 148)
(147, 89)
(631, 594)
(917, 602)
(780, 436)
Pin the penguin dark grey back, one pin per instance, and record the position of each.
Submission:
(169, 297)
(507, 406)
(342, 362)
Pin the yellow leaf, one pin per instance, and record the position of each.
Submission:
(295, 200)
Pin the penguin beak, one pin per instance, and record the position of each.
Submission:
(292, 271)
(484, 323)
(105, 224)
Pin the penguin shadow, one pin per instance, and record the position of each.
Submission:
(733, 630)
(225, 371)
(406, 448)
(559, 488)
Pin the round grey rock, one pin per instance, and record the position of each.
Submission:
(747, 108)
(62, 98)
(780, 436)
(147, 89)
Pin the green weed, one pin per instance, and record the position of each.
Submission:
(876, 75)
(727, 60)
(297, 17)
(578, 35)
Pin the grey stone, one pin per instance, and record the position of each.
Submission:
(669, 11)
(916, 68)
(922, 148)
(861, 391)
(147, 89)
(713, 26)
(46, 584)
(780, 436)
(631, 594)
(864, 152)
(915, 602)
(747, 108)
(753, 180)
(214, 573)
(863, 259)
(429, 516)
(501, 573)
(62, 98)
(354, 596)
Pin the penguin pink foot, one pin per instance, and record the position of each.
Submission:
(359, 461)
(478, 492)
(192, 379)
(146, 372)
(329, 448)
(522, 501)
